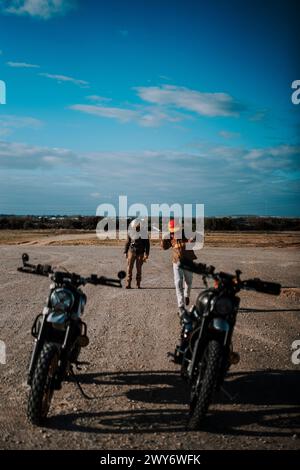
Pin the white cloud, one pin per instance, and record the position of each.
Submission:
(259, 116)
(98, 99)
(228, 163)
(272, 158)
(23, 156)
(9, 123)
(153, 117)
(144, 116)
(44, 9)
(229, 135)
(205, 104)
(65, 78)
(165, 102)
(232, 158)
(24, 65)
(151, 176)
(121, 114)
(165, 77)
(278, 151)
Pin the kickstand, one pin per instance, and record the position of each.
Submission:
(228, 395)
(87, 397)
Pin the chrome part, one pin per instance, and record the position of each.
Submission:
(220, 325)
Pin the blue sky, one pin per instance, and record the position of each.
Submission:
(182, 101)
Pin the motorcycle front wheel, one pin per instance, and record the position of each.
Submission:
(42, 385)
(204, 385)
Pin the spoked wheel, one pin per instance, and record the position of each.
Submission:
(42, 386)
(205, 383)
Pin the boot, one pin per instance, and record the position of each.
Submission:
(128, 285)
(138, 284)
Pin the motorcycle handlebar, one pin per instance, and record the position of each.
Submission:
(265, 287)
(197, 268)
(272, 288)
(46, 270)
(39, 269)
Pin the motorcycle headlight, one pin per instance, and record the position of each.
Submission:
(61, 300)
(223, 306)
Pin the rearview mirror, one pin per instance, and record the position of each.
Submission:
(121, 275)
(25, 258)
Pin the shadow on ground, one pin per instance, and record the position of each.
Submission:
(255, 403)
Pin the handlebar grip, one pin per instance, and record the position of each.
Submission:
(43, 269)
(197, 268)
(39, 269)
(265, 287)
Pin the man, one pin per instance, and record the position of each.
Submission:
(137, 249)
(177, 241)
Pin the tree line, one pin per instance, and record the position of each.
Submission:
(244, 223)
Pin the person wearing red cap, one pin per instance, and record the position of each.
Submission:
(183, 279)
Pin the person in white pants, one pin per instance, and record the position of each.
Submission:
(183, 283)
(182, 279)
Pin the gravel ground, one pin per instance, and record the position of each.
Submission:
(139, 400)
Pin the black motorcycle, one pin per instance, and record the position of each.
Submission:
(59, 334)
(205, 352)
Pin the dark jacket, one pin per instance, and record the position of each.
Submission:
(138, 246)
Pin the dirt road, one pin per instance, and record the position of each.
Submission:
(63, 237)
(139, 399)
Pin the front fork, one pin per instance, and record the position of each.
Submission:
(38, 344)
(40, 339)
(208, 331)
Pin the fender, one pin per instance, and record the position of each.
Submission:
(222, 327)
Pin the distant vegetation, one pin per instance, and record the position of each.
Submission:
(27, 222)
(252, 223)
(242, 223)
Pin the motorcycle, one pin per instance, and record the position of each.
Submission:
(205, 352)
(59, 334)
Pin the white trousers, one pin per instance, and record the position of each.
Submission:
(182, 291)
